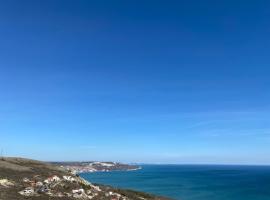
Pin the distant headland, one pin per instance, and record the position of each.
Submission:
(94, 166)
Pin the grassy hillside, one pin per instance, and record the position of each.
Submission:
(29, 179)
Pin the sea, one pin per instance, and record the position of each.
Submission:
(192, 182)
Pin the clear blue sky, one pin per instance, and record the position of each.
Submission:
(136, 81)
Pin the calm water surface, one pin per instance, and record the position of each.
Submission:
(193, 182)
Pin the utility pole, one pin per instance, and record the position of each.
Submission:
(1, 155)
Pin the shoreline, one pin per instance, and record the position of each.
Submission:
(24, 178)
(94, 166)
(105, 171)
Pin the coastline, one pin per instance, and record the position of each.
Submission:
(193, 182)
(30, 179)
(95, 166)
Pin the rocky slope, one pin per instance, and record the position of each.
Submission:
(29, 179)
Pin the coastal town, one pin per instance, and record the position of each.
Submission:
(87, 167)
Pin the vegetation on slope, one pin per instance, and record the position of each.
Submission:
(29, 179)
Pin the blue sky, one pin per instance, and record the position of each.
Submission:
(136, 81)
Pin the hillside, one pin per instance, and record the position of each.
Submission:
(29, 179)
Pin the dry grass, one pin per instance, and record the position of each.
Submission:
(15, 169)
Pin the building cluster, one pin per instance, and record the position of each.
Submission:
(76, 169)
(86, 167)
(90, 167)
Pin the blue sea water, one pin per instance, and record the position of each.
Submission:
(192, 182)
